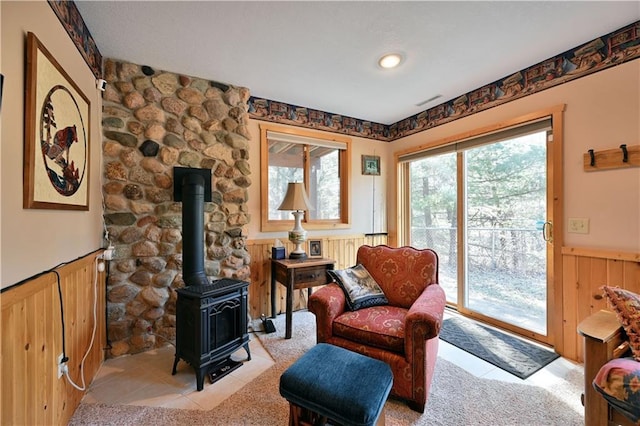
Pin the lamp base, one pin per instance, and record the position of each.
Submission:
(293, 255)
(298, 236)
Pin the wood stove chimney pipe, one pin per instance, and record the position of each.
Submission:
(193, 196)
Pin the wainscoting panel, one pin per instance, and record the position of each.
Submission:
(584, 272)
(342, 249)
(31, 341)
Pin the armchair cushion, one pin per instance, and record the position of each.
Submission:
(379, 326)
(360, 289)
(626, 305)
(402, 273)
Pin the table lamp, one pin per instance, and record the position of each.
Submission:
(297, 201)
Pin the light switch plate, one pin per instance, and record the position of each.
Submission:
(578, 225)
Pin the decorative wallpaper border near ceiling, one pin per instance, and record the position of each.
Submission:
(604, 52)
(72, 21)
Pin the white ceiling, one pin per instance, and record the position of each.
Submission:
(323, 55)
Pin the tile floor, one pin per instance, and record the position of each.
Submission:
(145, 379)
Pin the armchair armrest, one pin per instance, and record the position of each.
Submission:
(326, 304)
(602, 330)
(602, 325)
(424, 318)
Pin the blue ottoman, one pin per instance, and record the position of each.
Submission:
(333, 383)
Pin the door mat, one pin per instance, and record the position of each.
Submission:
(512, 354)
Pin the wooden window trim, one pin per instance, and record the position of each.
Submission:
(345, 181)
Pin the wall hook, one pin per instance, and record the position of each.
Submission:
(625, 153)
(610, 158)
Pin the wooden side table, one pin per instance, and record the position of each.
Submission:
(296, 274)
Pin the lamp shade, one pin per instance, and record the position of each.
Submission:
(295, 198)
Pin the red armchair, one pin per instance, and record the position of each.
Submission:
(404, 333)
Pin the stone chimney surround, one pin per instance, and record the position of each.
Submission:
(152, 121)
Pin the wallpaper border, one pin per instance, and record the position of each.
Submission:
(71, 19)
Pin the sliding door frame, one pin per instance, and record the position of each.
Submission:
(555, 214)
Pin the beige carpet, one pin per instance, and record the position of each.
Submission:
(456, 398)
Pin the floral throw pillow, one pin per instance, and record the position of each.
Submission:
(626, 305)
(360, 289)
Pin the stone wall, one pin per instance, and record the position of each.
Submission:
(152, 121)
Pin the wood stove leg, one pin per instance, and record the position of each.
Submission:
(200, 378)
(246, 348)
(175, 365)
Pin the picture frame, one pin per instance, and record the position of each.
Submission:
(371, 165)
(315, 248)
(57, 135)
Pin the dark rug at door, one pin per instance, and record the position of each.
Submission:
(512, 354)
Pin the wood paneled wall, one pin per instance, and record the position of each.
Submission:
(584, 272)
(31, 341)
(342, 249)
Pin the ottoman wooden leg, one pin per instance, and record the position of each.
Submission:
(300, 416)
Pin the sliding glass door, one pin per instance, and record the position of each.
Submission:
(482, 205)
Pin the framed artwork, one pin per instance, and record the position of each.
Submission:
(371, 165)
(315, 248)
(56, 145)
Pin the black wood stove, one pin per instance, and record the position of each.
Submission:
(211, 317)
(211, 324)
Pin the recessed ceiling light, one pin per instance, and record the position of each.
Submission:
(390, 60)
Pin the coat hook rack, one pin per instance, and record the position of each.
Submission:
(617, 158)
(625, 153)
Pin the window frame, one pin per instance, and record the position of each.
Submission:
(268, 225)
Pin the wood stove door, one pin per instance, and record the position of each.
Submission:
(227, 322)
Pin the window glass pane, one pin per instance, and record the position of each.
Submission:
(434, 214)
(286, 162)
(506, 254)
(324, 188)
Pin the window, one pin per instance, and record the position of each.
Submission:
(318, 160)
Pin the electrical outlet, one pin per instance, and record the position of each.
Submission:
(61, 365)
(108, 253)
(578, 225)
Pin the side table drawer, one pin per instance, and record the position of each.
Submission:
(316, 274)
